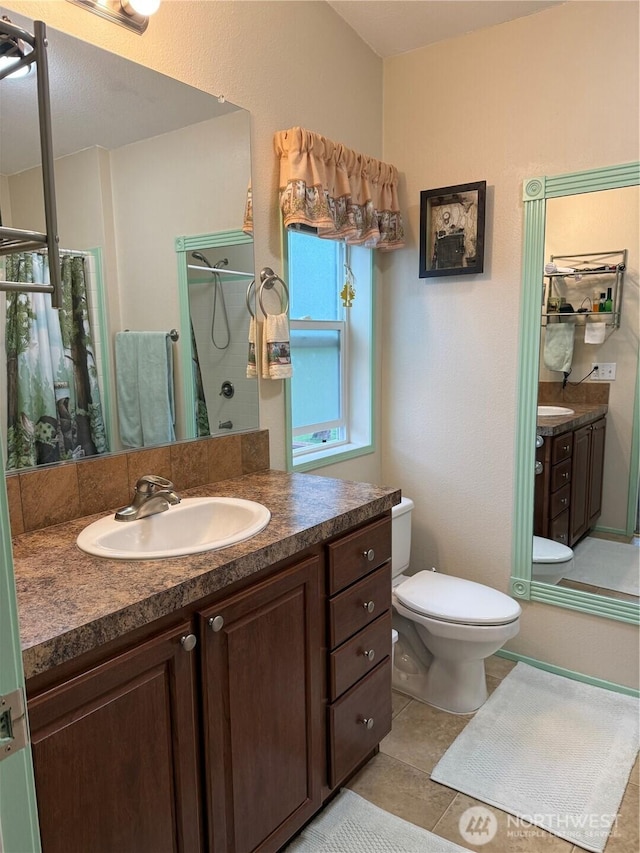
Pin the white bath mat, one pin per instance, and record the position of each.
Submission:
(351, 824)
(554, 752)
(612, 565)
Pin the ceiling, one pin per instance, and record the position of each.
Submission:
(391, 27)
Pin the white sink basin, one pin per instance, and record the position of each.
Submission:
(192, 526)
(553, 411)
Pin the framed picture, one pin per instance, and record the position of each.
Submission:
(452, 230)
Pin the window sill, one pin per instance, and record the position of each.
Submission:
(330, 455)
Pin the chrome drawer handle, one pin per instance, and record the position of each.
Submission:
(367, 722)
(216, 623)
(188, 642)
(565, 476)
(369, 654)
(369, 555)
(369, 606)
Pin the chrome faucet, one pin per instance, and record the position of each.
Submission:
(152, 494)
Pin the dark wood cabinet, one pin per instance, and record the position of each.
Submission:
(359, 638)
(568, 492)
(586, 487)
(262, 711)
(223, 728)
(115, 754)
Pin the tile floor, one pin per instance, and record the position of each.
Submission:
(397, 780)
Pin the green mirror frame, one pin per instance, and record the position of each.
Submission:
(535, 193)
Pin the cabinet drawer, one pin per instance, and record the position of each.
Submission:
(561, 447)
(360, 604)
(359, 655)
(560, 475)
(560, 501)
(559, 528)
(350, 738)
(357, 554)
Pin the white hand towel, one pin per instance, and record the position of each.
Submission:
(277, 347)
(252, 362)
(558, 346)
(594, 333)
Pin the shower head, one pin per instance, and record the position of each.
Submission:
(200, 257)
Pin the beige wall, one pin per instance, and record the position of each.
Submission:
(551, 93)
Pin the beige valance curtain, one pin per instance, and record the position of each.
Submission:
(344, 195)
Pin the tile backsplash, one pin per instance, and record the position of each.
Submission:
(589, 393)
(53, 494)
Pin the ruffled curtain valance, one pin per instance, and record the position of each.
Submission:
(344, 195)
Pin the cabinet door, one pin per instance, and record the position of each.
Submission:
(262, 685)
(596, 470)
(579, 522)
(115, 754)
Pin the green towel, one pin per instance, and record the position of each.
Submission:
(558, 346)
(144, 387)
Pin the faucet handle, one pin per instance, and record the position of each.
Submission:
(149, 483)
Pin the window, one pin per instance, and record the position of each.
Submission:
(330, 394)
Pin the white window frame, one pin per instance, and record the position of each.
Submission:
(358, 373)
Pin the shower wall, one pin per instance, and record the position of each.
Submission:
(230, 364)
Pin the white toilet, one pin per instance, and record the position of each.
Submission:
(447, 626)
(552, 561)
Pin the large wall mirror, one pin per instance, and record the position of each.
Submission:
(143, 163)
(581, 220)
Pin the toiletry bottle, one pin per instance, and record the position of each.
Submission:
(595, 302)
(603, 300)
(608, 303)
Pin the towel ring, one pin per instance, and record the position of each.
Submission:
(248, 298)
(268, 278)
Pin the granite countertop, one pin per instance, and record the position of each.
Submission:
(70, 602)
(583, 414)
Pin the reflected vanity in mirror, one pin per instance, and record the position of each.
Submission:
(592, 214)
(141, 160)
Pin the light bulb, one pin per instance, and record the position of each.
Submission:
(143, 7)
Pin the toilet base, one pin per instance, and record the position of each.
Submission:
(457, 687)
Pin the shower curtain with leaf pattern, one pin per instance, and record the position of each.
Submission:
(53, 398)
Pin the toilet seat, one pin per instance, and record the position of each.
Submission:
(456, 600)
(549, 551)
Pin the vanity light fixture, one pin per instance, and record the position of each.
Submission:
(12, 51)
(133, 14)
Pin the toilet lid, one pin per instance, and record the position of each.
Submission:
(456, 600)
(548, 551)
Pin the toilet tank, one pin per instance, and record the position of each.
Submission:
(400, 536)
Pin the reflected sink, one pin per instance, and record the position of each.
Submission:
(553, 411)
(192, 526)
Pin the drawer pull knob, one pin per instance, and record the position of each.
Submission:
(367, 722)
(189, 642)
(369, 606)
(566, 448)
(216, 623)
(369, 555)
(566, 475)
(370, 654)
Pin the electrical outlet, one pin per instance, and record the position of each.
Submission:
(604, 371)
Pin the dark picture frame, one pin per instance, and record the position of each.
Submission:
(452, 230)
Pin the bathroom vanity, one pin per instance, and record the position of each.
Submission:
(210, 702)
(568, 491)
